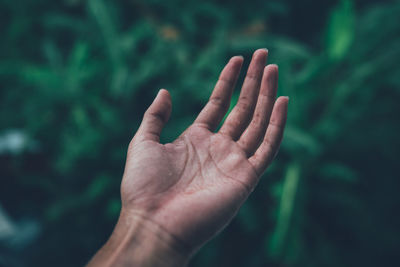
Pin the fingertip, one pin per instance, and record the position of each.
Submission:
(281, 105)
(260, 53)
(238, 57)
(269, 83)
(163, 102)
(163, 91)
(237, 60)
(271, 68)
(261, 50)
(234, 66)
(285, 99)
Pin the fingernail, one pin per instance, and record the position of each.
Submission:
(265, 49)
(239, 56)
(159, 91)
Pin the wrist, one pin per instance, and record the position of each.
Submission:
(137, 241)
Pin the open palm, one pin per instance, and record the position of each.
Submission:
(192, 188)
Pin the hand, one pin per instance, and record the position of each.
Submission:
(188, 190)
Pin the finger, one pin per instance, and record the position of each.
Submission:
(240, 116)
(253, 135)
(219, 101)
(155, 117)
(270, 145)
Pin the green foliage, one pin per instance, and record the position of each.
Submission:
(340, 30)
(76, 77)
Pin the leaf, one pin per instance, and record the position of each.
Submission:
(97, 188)
(340, 30)
(280, 237)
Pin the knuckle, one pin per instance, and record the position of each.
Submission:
(252, 76)
(155, 116)
(228, 82)
(236, 124)
(243, 105)
(258, 119)
(219, 101)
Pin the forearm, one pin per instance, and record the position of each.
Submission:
(137, 241)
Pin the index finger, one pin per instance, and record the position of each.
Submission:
(218, 104)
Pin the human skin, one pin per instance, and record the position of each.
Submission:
(177, 196)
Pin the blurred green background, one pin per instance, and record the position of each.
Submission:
(76, 77)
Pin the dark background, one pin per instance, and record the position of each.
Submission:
(76, 77)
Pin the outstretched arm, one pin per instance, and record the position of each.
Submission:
(177, 196)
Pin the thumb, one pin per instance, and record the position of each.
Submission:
(155, 117)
